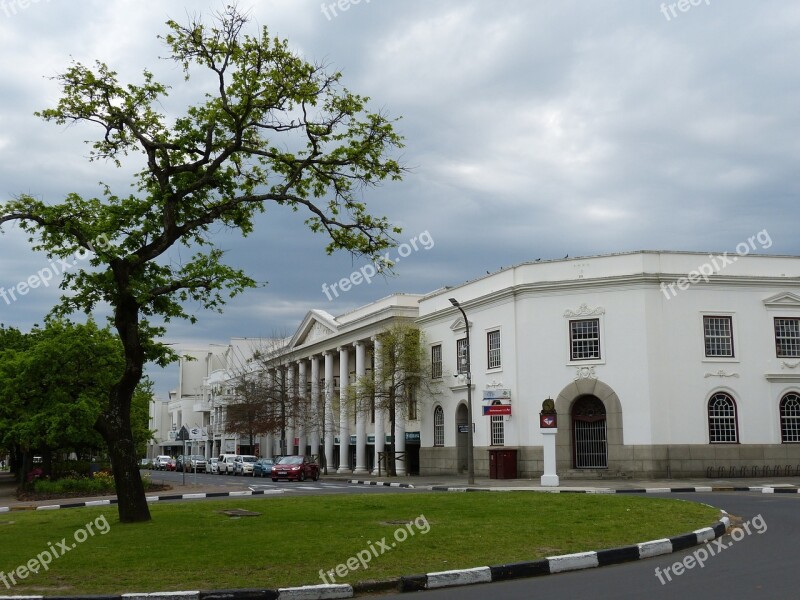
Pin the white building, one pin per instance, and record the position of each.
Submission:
(659, 363)
(649, 377)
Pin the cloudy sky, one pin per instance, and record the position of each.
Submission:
(533, 130)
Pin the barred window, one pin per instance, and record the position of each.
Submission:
(718, 333)
(787, 337)
(461, 355)
(436, 361)
(790, 419)
(584, 338)
(493, 349)
(438, 426)
(412, 406)
(498, 430)
(722, 427)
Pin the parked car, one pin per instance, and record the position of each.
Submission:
(160, 462)
(196, 463)
(211, 465)
(263, 467)
(299, 468)
(171, 465)
(225, 464)
(243, 464)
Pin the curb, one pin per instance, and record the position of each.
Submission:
(434, 488)
(384, 483)
(442, 579)
(657, 490)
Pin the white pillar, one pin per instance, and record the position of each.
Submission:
(314, 412)
(380, 431)
(301, 419)
(361, 417)
(330, 432)
(400, 442)
(290, 395)
(549, 478)
(269, 447)
(344, 412)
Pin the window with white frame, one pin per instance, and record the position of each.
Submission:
(722, 426)
(493, 349)
(498, 430)
(584, 339)
(718, 334)
(787, 337)
(790, 419)
(461, 355)
(436, 361)
(412, 406)
(438, 426)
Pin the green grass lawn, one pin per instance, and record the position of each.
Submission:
(191, 545)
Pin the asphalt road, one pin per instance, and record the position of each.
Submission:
(244, 482)
(758, 565)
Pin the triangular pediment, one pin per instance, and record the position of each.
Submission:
(783, 300)
(458, 324)
(316, 325)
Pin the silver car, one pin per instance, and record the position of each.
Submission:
(243, 465)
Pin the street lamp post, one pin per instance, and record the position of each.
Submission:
(470, 446)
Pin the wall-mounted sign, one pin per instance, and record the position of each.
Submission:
(494, 410)
(463, 429)
(547, 421)
(412, 436)
(501, 394)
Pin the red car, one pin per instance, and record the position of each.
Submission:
(171, 465)
(298, 468)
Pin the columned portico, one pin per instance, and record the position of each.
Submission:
(380, 435)
(344, 412)
(314, 412)
(361, 416)
(328, 409)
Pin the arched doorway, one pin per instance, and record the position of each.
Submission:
(589, 434)
(462, 432)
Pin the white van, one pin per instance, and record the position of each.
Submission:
(225, 464)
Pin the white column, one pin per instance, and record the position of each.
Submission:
(314, 412)
(269, 446)
(301, 421)
(330, 432)
(290, 396)
(344, 412)
(549, 478)
(400, 441)
(380, 431)
(361, 416)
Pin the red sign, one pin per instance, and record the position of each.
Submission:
(496, 409)
(547, 421)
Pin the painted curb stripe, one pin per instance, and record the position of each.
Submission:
(572, 562)
(459, 577)
(682, 542)
(519, 570)
(615, 556)
(316, 592)
(413, 583)
(240, 595)
(655, 548)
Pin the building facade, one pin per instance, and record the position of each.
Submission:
(659, 363)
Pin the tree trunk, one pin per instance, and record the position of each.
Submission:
(132, 502)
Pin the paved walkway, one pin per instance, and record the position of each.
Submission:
(441, 482)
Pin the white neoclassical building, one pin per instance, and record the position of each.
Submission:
(659, 363)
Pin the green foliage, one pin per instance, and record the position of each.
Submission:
(272, 130)
(99, 483)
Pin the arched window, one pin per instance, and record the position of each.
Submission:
(722, 426)
(438, 426)
(790, 419)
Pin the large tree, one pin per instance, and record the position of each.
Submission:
(272, 129)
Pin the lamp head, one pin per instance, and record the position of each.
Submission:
(454, 302)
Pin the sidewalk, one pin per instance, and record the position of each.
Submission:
(8, 499)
